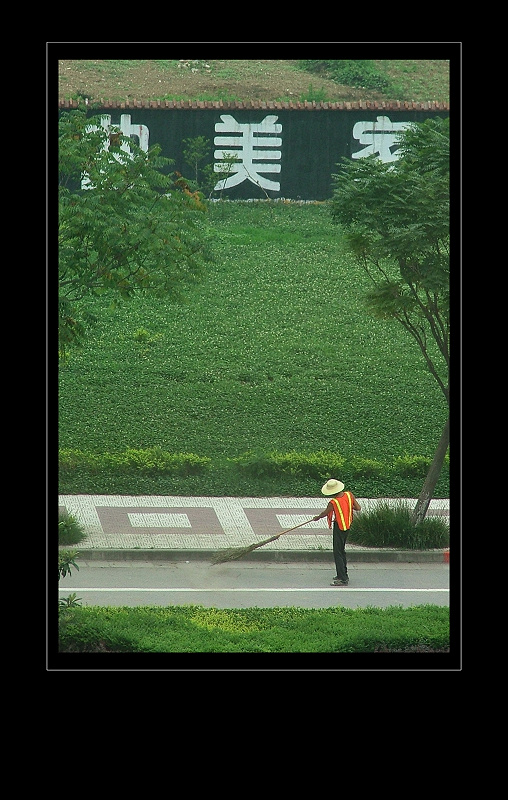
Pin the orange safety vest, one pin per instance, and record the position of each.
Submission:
(342, 507)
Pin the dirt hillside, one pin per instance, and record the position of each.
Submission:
(283, 80)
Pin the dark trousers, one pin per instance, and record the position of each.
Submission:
(339, 552)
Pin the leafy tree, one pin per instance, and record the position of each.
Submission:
(124, 224)
(206, 178)
(396, 222)
(196, 150)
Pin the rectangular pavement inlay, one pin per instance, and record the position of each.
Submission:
(148, 520)
(160, 520)
(270, 521)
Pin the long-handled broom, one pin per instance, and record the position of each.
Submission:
(237, 552)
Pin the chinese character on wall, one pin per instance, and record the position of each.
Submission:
(135, 132)
(250, 156)
(380, 137)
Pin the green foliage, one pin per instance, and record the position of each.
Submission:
(254, 473)
(221, 171)
(70, 531)
(146, 340)
(196, 150)
(206, 177)
(69, 602)
(141, 336)
(66, 560)
(194, 629)
(366, 468)
(314, 95)
(151, 460)
(412, 466)
(390, 525)
(70, 460)
(362, 74)
(130, 230)
(318, 465)
(322, 464)
(396, 222)
(274, 352)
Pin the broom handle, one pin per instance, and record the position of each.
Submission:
(294, 528)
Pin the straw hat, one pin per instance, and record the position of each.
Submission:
(332, 487)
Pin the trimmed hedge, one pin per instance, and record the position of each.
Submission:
(151, 460)
(319, 465)
(323, 464)
(314, 465)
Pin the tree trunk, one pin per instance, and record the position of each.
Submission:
(427, 491)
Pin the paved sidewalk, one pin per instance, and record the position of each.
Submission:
(120, 527)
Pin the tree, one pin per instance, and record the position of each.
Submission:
(196, 150)
(396, 222)
(124, 225)
(209, 176)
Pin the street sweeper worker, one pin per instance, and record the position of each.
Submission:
(340, 510)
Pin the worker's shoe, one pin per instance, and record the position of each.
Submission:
(336, 582)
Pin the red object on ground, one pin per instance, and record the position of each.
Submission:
(446, 556)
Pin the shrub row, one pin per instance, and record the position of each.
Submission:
(319, 465)
(323, 464)
(273, 464)
(149, 461)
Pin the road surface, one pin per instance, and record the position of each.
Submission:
(247, 584)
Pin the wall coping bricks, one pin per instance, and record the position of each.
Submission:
(360, 105)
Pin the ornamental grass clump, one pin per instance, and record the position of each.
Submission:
(390, 525)
(70, 531)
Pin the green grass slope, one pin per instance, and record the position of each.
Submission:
(273, 351)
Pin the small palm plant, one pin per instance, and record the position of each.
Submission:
(66, 560)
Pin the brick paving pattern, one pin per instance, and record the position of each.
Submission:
(206, 522)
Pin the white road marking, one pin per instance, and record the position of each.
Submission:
(337, 589)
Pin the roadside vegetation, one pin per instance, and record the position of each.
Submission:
(195, 629)
(70, 530)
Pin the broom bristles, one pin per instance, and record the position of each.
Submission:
(237, 552)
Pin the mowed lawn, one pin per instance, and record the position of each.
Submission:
(273, 350)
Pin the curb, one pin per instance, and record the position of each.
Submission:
(277, 556)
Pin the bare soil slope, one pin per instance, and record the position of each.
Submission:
(283, 80)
